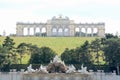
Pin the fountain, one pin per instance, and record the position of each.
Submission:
(57, 70)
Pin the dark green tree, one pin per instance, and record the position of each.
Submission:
(96, 48)
(14, 56)
(2, 60)
(80, 55)
(22, 48)
(112, 52)
(66, 56)
(3, 52)
(4, 57)
(108, 36)
(69, 56)
(42, 56)
(8, 43)
(32, 48)
(84, 55)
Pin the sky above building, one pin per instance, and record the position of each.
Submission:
(81, 11)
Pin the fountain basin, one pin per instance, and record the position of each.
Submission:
(57, 76)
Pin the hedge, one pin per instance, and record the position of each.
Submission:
(18, 67)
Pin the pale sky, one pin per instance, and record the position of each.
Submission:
(81, 11)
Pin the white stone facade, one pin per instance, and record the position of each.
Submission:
(61, 26)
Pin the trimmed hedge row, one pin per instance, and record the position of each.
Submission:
(18, 67)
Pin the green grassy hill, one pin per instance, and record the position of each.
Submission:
(58, 44)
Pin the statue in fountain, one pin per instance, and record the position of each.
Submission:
(56, 66)
(42, 69)
(29, 69)
(83, 69)
(71, 69)
(57, 59)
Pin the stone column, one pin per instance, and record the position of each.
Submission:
(48, 30)
(34, 31)
(80, 32)
(40, 31)
(92, 32)
(28, 31)
(22, 31)
(72, 30)
(85, 32)
(63, 32)
(57, 32)
(19, 31)
(101, 32)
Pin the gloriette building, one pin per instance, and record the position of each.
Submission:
(60, 26)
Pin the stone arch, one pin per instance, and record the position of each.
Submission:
(95, 31)
(83, 31)
(31, 31)
(77, 31)
(43, 30)
(66, 31)
(60, 31)
(54, 31)
(25, 31)
(89, 32)
(37, 31)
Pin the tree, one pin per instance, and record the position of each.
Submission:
(66, 56)
(3, 51)
(84, 55)
(7, 52)
(14, 56)
(42, 56)
(32, 48)
(108, 36)
(96, 47)
(22, 49)
(4, 58)
(112, 52)
(8, 43)
(80, 55)
(69, 56)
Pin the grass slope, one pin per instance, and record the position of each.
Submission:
(58, 44)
